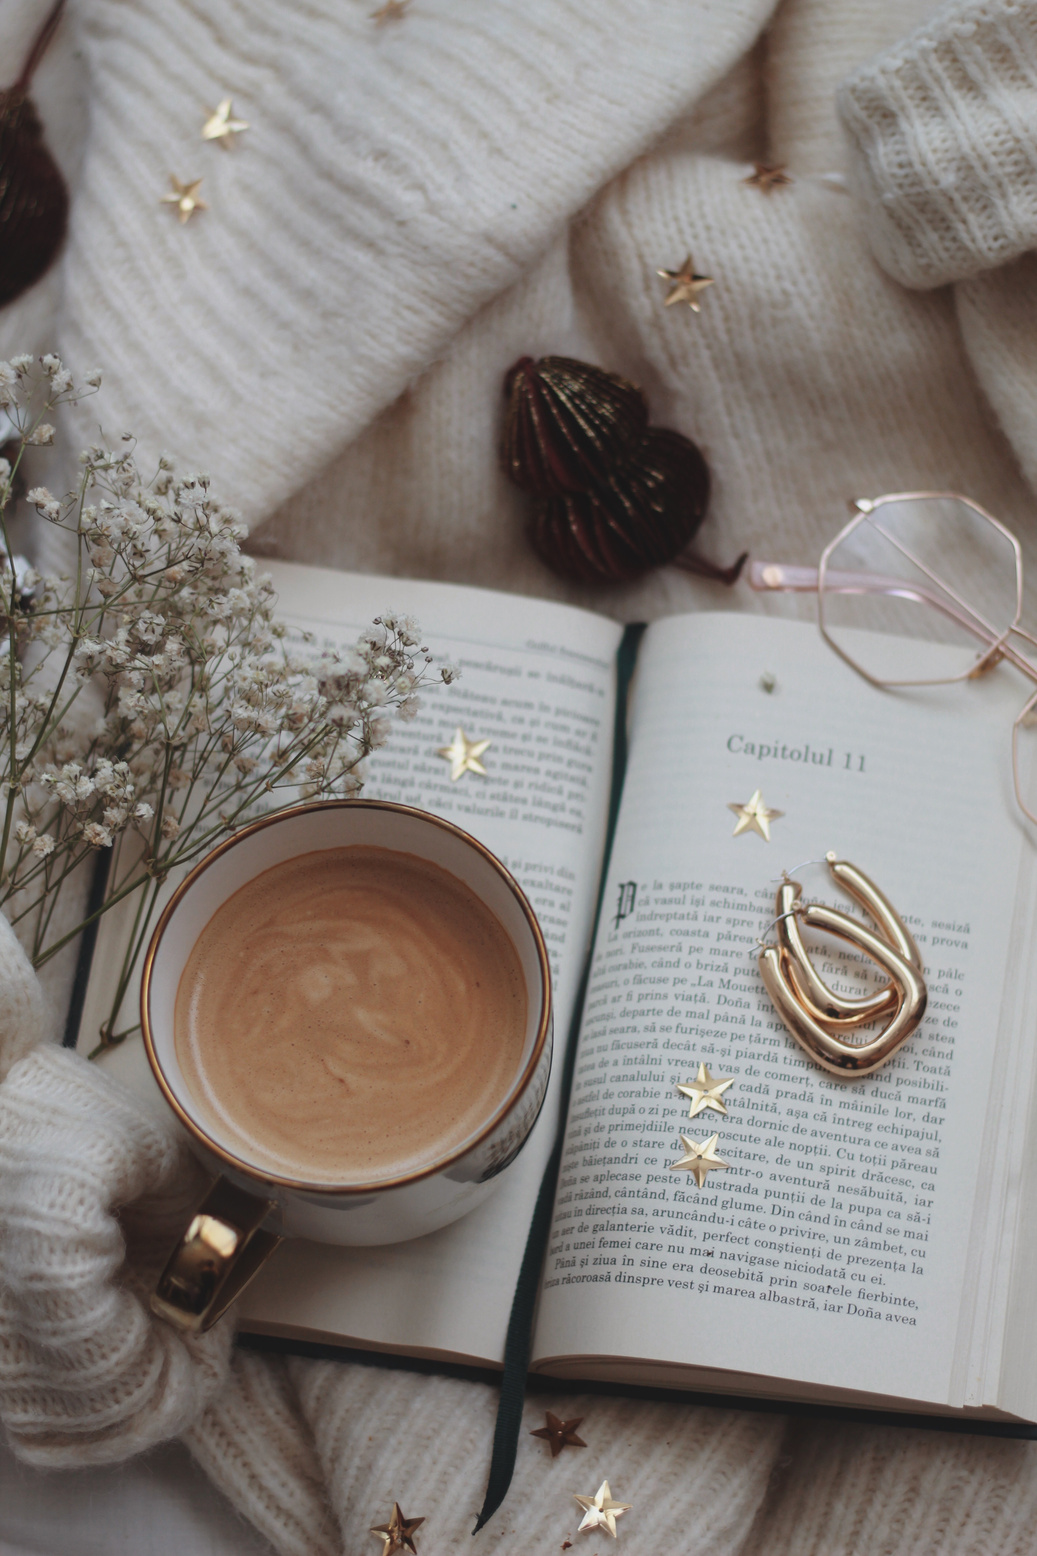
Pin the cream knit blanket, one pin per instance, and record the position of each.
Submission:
(415, 206)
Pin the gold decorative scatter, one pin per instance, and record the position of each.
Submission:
(390, 11)
(686, 285)
(398, 1533)
(184, 197)
(705, 1091)
(754, 816)
(560, 1434)
(221, 124)
(600, 1511)
(767, 176)
(700, 1159)
(463, 755)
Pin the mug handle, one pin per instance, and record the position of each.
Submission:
(223, 1247)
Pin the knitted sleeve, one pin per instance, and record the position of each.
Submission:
(943, 142)
(93, 1193)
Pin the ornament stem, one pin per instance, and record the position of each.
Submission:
(706, 569)
(40, 45)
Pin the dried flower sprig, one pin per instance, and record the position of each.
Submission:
(150, 702)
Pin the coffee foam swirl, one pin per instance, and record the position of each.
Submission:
(349, 1016)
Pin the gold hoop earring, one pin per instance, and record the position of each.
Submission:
(816, 1015)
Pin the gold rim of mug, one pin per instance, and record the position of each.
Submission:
(247, 1168)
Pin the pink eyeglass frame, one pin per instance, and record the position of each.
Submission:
(822, 581)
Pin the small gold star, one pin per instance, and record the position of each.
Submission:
(705, 1091)
(184, 197)
(463, 755)
(686, 285)
(398, 1533)
(390, 11)
(221, 124)
(768, 176)
(699, 1159)
(600, 1511)
(754, 816)
(560, 1434)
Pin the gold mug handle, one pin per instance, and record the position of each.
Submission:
(223, 1247)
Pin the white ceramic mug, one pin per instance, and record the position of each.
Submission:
(249, 1209)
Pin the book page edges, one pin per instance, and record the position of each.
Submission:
(709, 1380)
(650, 1374)
(1018, 1381)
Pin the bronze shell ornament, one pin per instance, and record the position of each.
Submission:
(612, 496)
(33, 192)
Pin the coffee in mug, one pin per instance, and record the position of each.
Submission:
(347, 1006)
(350, 1016)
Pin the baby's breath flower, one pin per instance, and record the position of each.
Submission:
(44, 502)
(200, 692)
(87, 655)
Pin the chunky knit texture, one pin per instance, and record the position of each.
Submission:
(415, 206)
(715, 1462)
(397, 180)
(258, 1448)
(946, 139)
(93, 1194)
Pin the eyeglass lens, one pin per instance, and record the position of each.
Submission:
(934, 571)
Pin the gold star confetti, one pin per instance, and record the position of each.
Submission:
(699, 1159)
(705, 1091)
(767, 176)
(221, 124)
(560, 1434)
(463, 755)
(754, 816)
(600, 1511)
(390, 11)
(686, 285)
(398, 1533)
(184, 197)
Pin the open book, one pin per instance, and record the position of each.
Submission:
(871, 1242)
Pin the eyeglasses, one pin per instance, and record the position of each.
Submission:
(932, 568)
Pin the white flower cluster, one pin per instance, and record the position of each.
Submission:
(199, 713)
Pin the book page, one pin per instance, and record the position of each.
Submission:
(998, 1364)
(833, 1250)
(537, 680)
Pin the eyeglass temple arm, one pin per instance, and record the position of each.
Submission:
(780, 575)
(784, 575)
(764, 576)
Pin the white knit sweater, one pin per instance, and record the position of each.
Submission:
(415, 206)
